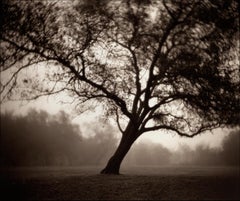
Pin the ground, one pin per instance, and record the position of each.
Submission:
(135, 183)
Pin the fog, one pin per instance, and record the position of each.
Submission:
(42, 139)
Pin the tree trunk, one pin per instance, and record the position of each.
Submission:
(115, 161)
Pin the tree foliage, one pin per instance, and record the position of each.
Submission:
(171, 65)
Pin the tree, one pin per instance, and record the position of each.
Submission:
(153, 65)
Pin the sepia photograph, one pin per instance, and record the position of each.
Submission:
(119, 100)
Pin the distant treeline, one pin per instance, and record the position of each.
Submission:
(202, 155)
(41, 139)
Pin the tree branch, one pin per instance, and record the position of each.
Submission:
(182, 134)
(118, 123)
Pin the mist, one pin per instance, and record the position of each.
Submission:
(42, 139)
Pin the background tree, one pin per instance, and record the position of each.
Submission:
(153, 65)
(41, 139)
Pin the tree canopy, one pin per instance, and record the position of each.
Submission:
(171, 65)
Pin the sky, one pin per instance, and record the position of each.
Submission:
(53, 105)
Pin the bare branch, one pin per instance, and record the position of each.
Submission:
(182, 134)
(118, 123)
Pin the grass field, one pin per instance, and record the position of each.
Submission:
(135, 183)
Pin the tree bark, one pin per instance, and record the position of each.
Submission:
(114, 163)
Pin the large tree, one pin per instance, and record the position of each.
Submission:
(153, 65)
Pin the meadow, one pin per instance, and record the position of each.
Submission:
(135, 183)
